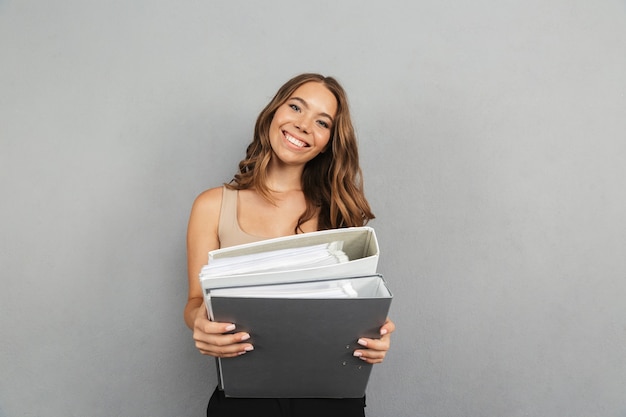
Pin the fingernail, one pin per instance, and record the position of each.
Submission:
(362, 342)
(383, 332)
(357, 353)
(230, 327)
(246, 350)
(245, 337)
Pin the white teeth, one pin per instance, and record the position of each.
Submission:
(295, 141)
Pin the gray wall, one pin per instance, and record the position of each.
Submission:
(492, 138)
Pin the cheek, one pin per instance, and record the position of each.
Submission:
(280, 116)
(326, 139)
(274, 128)
(274, 121)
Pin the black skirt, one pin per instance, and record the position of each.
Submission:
(221, 406)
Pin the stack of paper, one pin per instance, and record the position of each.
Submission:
(284, 260)
(277, 260)
(318, 289)
(338, 253)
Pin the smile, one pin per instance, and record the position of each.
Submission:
(294, 141)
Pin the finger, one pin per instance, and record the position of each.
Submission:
(211, 339)
(381, 344)
(224, 345)
(228, 351)
(221, 340)
(370, 356)
(213, 327)
(387, 328)
(374, 350)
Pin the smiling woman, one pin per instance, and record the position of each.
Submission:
(301, 126)
(301, 173)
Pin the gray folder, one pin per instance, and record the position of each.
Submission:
(303, 347)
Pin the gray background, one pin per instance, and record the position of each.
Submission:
(492, 138)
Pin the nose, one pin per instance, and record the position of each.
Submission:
(304, 123)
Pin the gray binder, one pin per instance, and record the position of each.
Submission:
(303, 347)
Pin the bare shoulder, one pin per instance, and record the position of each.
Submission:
(210, 199)
(202, 235)
(205, 211)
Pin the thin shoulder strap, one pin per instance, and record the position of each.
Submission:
(228, 213)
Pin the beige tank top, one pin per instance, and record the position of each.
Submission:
(229, 232)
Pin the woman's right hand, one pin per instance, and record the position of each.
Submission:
(212, 338)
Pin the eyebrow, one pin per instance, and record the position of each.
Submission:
(305, 104)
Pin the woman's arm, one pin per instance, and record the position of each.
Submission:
(201, 238)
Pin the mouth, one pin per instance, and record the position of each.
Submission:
(295, 141)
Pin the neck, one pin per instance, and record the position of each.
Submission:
(284, 178)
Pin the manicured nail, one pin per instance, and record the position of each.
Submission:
(383, 332)
(246, 350)
(357, 353)
(362, 342)
(245, 337)
(230, 327)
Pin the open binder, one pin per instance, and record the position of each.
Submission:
(359, 244)
(304, 323)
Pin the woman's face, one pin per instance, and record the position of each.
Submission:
(302, 126)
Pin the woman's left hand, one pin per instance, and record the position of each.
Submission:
(374, 350)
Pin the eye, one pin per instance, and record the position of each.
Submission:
(295, 107)
(324, 124)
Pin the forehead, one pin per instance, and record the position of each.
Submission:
(318, 97)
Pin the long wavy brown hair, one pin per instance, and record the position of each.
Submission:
(331, 182)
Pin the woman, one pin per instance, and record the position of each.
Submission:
(301, 174)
